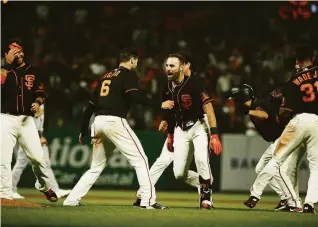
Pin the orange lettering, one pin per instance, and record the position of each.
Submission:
(300, 79)
(296, 82)
(305, 76)
(29, 81)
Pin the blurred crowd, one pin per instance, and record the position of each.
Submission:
(73, 43)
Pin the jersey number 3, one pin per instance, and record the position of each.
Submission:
(310, 91)
(104, 90)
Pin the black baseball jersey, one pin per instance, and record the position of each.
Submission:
(301, 91)
(271, 128)
(20, 89)
(188, 97)
(110, 95)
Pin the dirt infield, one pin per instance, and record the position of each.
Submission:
(16, 203)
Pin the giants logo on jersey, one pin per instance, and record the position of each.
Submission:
(29, 81)
(186, 101)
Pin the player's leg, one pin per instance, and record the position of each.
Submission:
(266, 157)
(123, 137)
(290, 140)
(17, 170)
(53, 182)
(161, 163)
(30, 143)
(8, 141)
(101, 150)
(157, 169)
(288, 171)
(183, 154)
(312, 156)
(201, 155)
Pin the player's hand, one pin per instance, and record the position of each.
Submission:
(163, 126)
(43, 140)
(215, 144)
(11, 55)
(35, 107)
(81, 139)
(167, 105)
(170, 142)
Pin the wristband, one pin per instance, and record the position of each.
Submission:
(213, 130)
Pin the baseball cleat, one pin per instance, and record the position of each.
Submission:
(62, 193)
(16, 195)
(281, 205)
(154, 206)
(308, 209)
(292, 209)
(251, 202)
(137, 203)
(51, 196)
(206, 204)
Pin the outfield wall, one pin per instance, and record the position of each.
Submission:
(233, 171)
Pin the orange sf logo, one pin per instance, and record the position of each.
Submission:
(29, 81)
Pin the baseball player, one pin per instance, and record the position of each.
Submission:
(301, 100)
(186, 126)
(23, 94)
(22, 161)
(166, 156)
(264, 114)
(110, 102)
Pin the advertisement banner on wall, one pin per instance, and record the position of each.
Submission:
(239, 159)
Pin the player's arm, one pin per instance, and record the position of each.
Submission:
(215, 143)
(8, 66)
(132, 90)
(39, 93)
(258, 113)
(88, 112)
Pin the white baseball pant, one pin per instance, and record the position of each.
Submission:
(21, 163)
(162, 162)
(194, 141)
(288, 169)
(115, 131)
(20, 129)
(303, 128)
(165, 159)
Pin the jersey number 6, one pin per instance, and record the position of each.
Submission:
(309, 89)
(105, 88)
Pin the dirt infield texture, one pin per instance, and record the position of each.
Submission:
(17, 203)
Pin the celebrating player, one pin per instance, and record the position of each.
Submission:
(301, 100)
(186, 126)
(22, 161)
(166, 156)
(264, 113)
(23, 94)
(110, 102)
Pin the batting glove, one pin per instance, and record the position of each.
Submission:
(215, 144)
(170, 142)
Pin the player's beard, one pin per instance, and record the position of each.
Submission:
(173, 76)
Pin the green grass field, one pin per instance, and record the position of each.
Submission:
(113, 208)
